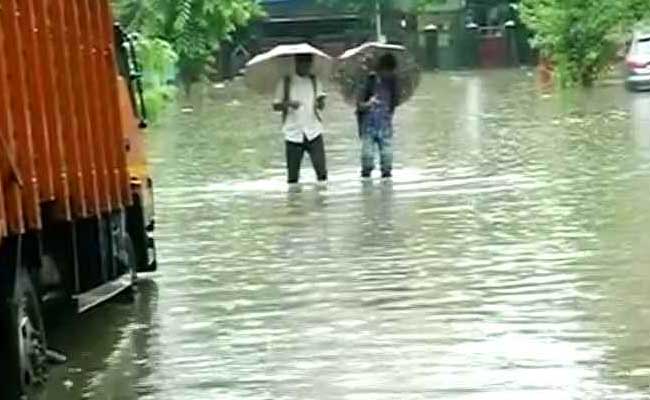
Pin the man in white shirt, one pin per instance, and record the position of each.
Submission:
(300, 98)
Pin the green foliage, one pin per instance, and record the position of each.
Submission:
(580, 36)
(194, 28)
(158, 60)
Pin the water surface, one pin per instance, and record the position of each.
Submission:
(507, 259)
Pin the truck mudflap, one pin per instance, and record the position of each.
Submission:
(94, 297)
(141, 225)
(152, 262)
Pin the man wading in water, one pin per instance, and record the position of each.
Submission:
(300, 98)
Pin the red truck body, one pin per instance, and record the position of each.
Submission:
(76, 203)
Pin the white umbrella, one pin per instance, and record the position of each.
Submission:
(355, 64)
(265, 70)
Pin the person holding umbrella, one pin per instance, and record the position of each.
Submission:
(375, 111)
(292, 73)
(376, 78)
(300, 99)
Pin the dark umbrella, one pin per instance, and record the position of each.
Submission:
(355, 65)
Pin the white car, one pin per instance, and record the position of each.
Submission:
(637, 63)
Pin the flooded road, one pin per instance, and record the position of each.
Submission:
(509, 258)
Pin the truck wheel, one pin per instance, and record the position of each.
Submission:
(23, 340)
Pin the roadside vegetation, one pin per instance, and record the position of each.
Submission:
(177, 39)
(582, 37)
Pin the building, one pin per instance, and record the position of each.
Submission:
(453, 34)
(293, 21)
(474, 33)
(290, 21)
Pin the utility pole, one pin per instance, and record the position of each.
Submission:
(380, 34)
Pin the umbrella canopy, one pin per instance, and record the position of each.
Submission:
(264, 71)
(355, 64)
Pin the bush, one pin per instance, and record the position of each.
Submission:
(157, 60)
(193, 28)
(580, 37)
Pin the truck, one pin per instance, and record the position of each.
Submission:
(76, 195)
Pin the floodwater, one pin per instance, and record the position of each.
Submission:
(509, 258)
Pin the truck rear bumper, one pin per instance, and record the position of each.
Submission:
(102, 293)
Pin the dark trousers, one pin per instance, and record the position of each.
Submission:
(295, 153)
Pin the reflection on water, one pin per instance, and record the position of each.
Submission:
(109, 350)
(507, 259)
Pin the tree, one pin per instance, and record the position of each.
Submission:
(637, 10)
(157, 59)
(578, 36)
(192, 27)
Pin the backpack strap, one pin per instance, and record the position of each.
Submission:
(394, 94)
(371, 86)
(286, 97)
(314, 85)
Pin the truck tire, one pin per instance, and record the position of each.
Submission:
(23, 340)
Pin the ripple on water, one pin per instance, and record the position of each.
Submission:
(505, 260)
